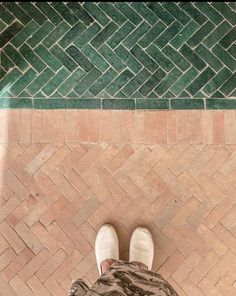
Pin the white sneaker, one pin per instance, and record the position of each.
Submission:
(142, 247)
(106, 245)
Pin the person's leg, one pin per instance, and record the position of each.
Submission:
(141, 249)
(106, 247)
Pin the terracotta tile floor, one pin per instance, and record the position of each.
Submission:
(64, 173)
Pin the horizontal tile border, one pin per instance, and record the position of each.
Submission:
(119, 104)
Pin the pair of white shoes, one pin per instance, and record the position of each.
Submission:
(107, 246)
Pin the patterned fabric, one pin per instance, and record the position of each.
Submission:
(124, 278)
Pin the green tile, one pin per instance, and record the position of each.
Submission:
(66, 13)
(87, 81)
(214, 104)
(40, 34)
(97, 13)
(80, 58)
(6, 63)
(232, 50)
(15, 9)
(185, 104)
(200, 81)
(192, 57)
(9, 79)
(168, 34)
(134, 36)
(224, 57)
(56, 34)
(80, 13)
(17, 58)
(217, 81)
(193, 12)
(84, 104)
(15, 103)
(32, 58)
(112, 58)
(211, 59)
(72, 34)
(229, 38)
(128, 59)
(119, 82)
(184, 34)
(48, 58)
(161, 13)
(166, 83)
(95, 57)
(103, 81)
(183, 81)
(119, 104)
(200, 34)
(229, 86)
(34, 12)
(128, 12)
(152, 34)
(63, 58)
(104, 35)
(40, 81)
(177, 58)
(87, 35)
(112, 12)
(2, 26)
(165, 63)
(217, 34)
(120, 34)
(136, 82)
(9, 33)
(50, 13)
(210, 12)
(145, 12)
(24, 34)
(224, 9)
(50, 103)
(5, 15)
(2, 73)
(22, 82)
(55, 82)
(71, 82)
(178, 13)
(152, 104)
(148, 86)
(143, 58)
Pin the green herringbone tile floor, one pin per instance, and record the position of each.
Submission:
(118, 50)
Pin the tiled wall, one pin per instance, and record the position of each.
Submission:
(160, 51)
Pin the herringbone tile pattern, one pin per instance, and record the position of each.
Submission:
(56, 193)
(121, 50)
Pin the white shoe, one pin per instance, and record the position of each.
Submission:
(142, 247)
(106, 245)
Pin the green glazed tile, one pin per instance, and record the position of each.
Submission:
(22, 82)
(193, 12)
(229, 86)
(84, 104)
(128, 12)
(5, 15)
(95, 58)
(87, 81)
(104, 35)
(232, 50)
(87, 35)
(6, 63)
(72, 34)
(148, 86)
(9, 33)
(71, 82)
(120, 34)
(9, 79)
(32, 58)
(112, 12)
(15, 103)
(134, 36)
(119, 104)
(165, 63)
(185, 104)
(177, 58)
(40, 34)
(210, 58)
(80, 13)
(152, 104)
(119, 82)
(50, 13)
(178, 13)
(66, 13)
(224, 57)
(97, 13)
(166, 83)
(200, 34)
(103, 81)
(210, 12)
(220, 104)
(63, 58)
(40, 81)
(55, 82)
(33, 11)
(229, 38)
(161, 13)
(144, 59)
(152, 34)
(56, 34)
(224, 9)
(50, 103)
(15, 9)
(145, 12)
(80, 58)
(192, 57)
(48, 58)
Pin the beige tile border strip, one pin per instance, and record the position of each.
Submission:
(149, 127)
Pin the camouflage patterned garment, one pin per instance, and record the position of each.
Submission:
(124, 278)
